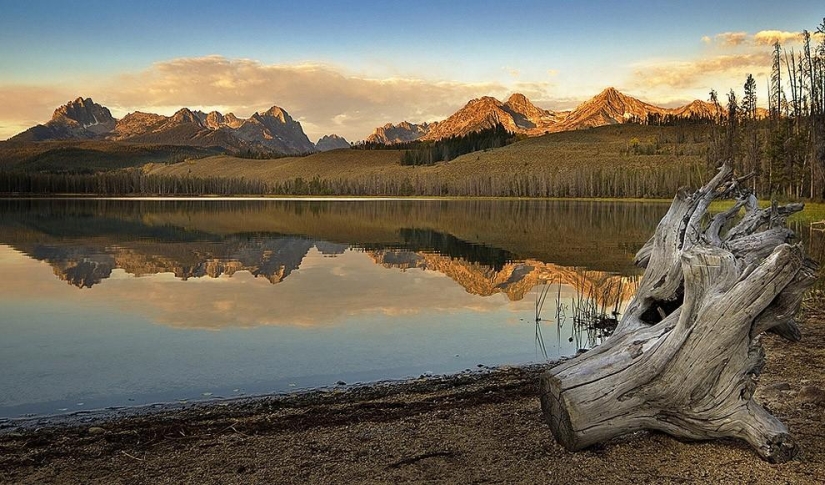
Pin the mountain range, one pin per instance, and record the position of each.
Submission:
(519, 115)
(270, 131)
(275, 131)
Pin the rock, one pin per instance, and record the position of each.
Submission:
(811, 395)
(96, 430)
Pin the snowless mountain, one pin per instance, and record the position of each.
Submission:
(79, 119)
(519, 115)
(608, 108)
(403, 132)
(274, 130)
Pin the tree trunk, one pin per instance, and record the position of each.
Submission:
(685, 355)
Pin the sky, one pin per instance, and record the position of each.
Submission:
(347, 67)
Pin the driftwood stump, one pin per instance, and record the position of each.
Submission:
(686, 353)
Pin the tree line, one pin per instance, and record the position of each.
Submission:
(606, 181)
(430, 152)
(446, 149)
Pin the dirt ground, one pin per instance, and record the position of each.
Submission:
(471, 428)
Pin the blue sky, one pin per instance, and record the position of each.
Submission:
(347, 67)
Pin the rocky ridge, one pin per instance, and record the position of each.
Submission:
(273, 130)
(519, 115)
(79, 119)
(609, 107)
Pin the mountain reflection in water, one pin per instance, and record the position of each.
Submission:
(127, 302)
(486, 247)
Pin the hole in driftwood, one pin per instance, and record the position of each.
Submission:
(658, 310)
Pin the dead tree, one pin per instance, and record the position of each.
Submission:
(686, 354)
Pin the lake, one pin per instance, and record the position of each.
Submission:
(116, 303)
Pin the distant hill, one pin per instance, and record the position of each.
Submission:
(92, 156)
(83, 119)
(699, 109)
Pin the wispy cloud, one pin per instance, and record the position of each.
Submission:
(699, 72)
(320, 95)
(770, 37)
(759, 39)
(731, 38)
(723, 64)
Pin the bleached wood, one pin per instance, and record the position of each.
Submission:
(684, 357)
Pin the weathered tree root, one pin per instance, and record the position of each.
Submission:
(685, 355)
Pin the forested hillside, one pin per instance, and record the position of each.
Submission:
(614, 161)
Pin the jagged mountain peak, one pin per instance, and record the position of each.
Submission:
(271, 131)
(484, 101)
(277, 112)
(613, 95)
(83, 111)
(185, 115)
(517, 97)
(517, 115)
(331, 142)
(607, 108)
(401, 133)
(519, 104)
(79, 119)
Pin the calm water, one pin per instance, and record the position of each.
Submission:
(129, 302)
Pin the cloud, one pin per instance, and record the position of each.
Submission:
(320, 95)
(325, 99)
(760, 39)
(700, 72)
(770, 37)
(731, 38)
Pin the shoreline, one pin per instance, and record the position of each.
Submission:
(479, 427)
(243, 405)
(330, 198)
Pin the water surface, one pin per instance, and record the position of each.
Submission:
(129, 302)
